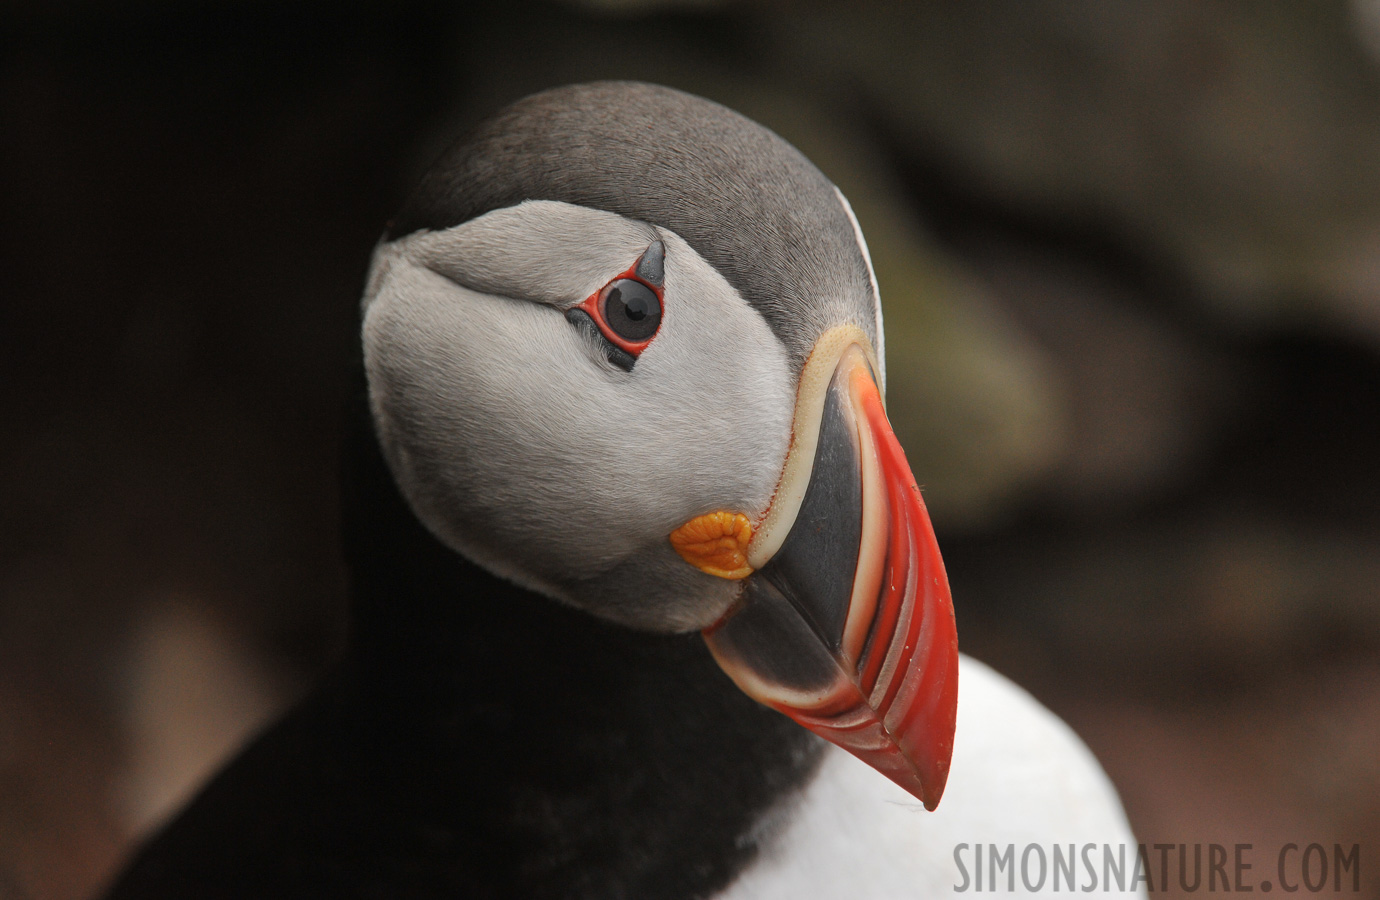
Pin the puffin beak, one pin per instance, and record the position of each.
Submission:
(845, 623)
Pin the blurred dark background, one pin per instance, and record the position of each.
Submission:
(1130, 261)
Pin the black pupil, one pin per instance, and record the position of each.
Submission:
(632, 309)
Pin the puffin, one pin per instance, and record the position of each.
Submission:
(645, 601)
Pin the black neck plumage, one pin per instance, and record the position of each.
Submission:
(479, 740)
(570, 756)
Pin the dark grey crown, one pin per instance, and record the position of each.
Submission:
(743, 198)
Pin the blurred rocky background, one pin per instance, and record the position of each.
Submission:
(1130, 261)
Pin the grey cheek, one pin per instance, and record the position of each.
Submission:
(548, 466)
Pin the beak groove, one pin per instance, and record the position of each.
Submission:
(848, 626)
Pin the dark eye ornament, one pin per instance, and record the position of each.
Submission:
(626, 313)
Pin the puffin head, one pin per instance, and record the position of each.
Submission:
(624, 348)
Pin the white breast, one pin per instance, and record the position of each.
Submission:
(1020, 777)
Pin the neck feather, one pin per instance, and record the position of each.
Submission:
(581, 757)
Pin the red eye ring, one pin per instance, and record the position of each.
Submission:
(596, 307)
(624, 315)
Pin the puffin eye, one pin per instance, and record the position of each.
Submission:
(631, 309)
(625, 314)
